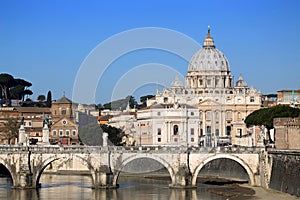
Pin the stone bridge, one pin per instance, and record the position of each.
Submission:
(104, 164)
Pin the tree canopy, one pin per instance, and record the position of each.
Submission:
(121, 104)
(13, 88)
(265, 116)
(10, 129)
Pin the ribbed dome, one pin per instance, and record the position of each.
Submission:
(209, 58)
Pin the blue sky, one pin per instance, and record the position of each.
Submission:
(46, 42)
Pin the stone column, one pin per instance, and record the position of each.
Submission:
(104, 139)
(22, 136)
(105, 178)
(45, 138)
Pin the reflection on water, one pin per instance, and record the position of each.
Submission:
(79, 187)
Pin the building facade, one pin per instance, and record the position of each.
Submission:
(222, 103)
(289, 97)
(32, 118)
(167, 124)
(64, 128)
(287, 133)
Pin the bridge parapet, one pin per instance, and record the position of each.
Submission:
(141, 149)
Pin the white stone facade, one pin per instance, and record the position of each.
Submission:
(167, 124)
(222, 105)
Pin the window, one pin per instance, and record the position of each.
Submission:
(54, 112)
(200, 115)
(63, 111)
(192, 113)
(228, 115)
(201, 132)
(74, 132)
(175, 129)
(228, 130)
(251, 99)
(217, 132)
(54, 132)
(166, 100)
(37, 134)
(239, 132)
(158, 113)
(200, 82)
(192, 131)
(208, 115)
(159, 131)
(158, 139)
(192, 140)
(208, 130)
(240, 91)
(208, 82)
(28, 124)
(60, 133)
(175, 139)
(67, 132)
(217, 116)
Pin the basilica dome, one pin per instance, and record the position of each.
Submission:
(209, 58)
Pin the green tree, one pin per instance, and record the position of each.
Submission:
(6, 82)
(41, 98)
(265, 116)
(143, 99)
(49, 99)
(114, 134)
(20, 89)
(10, 129)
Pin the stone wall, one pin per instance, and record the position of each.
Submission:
(285, 175)
(287, 133)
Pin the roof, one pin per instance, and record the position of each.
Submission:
(64, 99)
(33, 110)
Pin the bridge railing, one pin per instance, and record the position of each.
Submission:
(133, 149)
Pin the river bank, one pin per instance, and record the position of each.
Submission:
(234, 189)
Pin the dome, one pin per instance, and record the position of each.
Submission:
(209, 58)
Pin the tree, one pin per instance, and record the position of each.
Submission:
(10, 129)
(114, 134)
(41, 98)
(6, 82)
(265, 116)
(143, 99)
(49, 99)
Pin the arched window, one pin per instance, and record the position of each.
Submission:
(175, 129)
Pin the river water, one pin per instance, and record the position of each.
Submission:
(78, 187)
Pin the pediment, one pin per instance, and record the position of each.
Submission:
(209, 102)
(64, 121)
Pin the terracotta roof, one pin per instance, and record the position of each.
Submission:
(33, 110)
(104, 117)
(63, 100)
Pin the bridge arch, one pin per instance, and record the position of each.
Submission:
(227, 156)
(12, 172)
(148, 156)
(65, 158)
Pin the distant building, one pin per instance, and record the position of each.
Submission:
(222, 103)
(64, 129)
(167, 124)
(33, 120)
(31, 117)
(287, 133)
(289, 97)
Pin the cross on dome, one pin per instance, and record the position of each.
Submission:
(209, 41)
